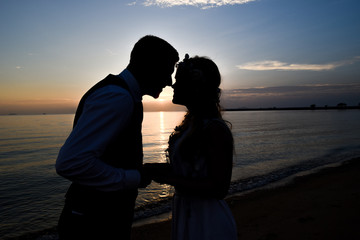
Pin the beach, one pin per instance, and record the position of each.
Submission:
(322, 205)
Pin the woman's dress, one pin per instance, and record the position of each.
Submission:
(198, 218)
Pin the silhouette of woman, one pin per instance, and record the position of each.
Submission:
(200, 156)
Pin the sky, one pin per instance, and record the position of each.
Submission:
(271, 53)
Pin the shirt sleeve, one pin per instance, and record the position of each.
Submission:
(106, 112)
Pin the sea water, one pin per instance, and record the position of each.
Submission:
(269, 146)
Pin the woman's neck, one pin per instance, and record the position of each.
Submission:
(205, 111)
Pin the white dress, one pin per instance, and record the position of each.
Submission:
(197, 218)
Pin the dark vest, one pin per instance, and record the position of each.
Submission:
(124, 151)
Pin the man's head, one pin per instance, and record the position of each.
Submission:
(152, 62)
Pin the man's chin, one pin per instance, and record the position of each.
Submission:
(176, 101)
(154, 95)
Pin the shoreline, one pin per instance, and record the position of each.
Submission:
(321, 203)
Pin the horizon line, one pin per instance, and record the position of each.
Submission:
(341, 106)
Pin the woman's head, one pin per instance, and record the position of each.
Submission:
(197, 83)
(196, 87)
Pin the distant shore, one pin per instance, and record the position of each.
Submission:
(321, 205)
(225, 109)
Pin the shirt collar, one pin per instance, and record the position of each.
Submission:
(132, 84)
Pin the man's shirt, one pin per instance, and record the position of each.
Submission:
(107, 111)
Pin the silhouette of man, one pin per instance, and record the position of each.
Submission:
(103, 154)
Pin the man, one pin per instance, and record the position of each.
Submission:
(103, 154)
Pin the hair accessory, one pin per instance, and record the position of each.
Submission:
(186, 57)
(184, 68)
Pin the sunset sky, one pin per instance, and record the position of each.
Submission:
(283, 53)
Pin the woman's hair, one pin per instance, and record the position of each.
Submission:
(207, 83)
(206, 107)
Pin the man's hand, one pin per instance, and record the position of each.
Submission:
(159, 172)
(145, 178)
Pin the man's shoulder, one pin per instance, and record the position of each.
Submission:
(111, 92)
(114, 80)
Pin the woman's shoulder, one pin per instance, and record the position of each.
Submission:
(217, 122)
(218, 127)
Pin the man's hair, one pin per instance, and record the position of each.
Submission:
(150, 49)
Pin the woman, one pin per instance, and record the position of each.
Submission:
(200, 154)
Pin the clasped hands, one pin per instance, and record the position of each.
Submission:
(159, 172)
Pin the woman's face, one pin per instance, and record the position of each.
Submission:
(187, 87)
(179, 96)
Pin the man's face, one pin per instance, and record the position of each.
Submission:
(159, 78)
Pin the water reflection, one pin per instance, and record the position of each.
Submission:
(157, 127)
(163, 136)
(165, 189)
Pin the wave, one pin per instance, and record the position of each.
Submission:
(337, 155)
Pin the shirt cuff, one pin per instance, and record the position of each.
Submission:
(132, 179)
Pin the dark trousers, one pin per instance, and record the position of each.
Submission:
(98, 218)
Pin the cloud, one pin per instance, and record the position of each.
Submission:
(282, 66)
(132, 3)
(292, 96)
(203, 4)
(300, 89)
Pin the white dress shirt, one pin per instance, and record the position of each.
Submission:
(106, 112)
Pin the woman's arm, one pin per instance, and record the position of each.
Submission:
(218, 150)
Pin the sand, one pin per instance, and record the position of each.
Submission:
(324, 205)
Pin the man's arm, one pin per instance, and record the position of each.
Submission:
(106, 112)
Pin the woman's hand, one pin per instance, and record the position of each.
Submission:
(159, 172)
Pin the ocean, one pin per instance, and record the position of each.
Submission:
(269, 146)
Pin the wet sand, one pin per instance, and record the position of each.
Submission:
(323, 205)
